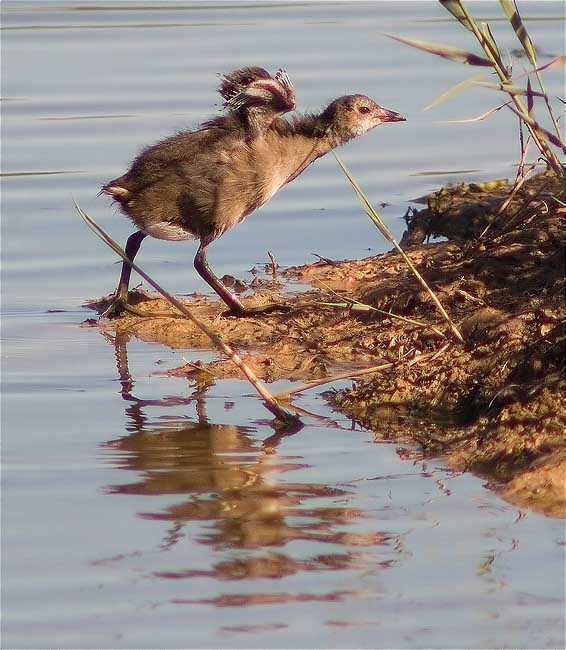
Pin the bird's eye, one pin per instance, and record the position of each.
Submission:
(364, 109)
(247, 81)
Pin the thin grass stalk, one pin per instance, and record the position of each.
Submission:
(270, 402)
(533, 125)
(404, 319)
(524, 150)
(548, 106)
(384, 230)
(354, 374)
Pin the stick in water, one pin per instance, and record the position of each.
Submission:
(288, 418)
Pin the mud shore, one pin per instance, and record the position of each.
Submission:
(494, 405)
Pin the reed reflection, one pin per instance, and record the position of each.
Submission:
(237, 496)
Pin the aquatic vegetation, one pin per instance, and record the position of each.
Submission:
(547, 140)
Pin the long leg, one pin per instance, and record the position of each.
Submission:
(236, 307)
(206, 273)
(132, 247)
(120, 301)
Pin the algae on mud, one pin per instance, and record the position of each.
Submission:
(495, 404)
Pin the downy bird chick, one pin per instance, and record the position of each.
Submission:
(199, 184)
(253, 99)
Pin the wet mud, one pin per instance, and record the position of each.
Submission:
(494, 404)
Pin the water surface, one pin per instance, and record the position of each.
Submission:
(143, 511)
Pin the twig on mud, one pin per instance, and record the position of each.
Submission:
(284, 415)
(326, 260)
(384, 230)
(468, 296)
(354, 374)
(517, 218)
(520, 182)
(274, 265)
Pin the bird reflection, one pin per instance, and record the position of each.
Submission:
(235, 495)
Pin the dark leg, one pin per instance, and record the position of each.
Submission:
(132, 247)
(236, 307)
(206, 273)
(121, 296)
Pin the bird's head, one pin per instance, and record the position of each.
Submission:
(353, 115)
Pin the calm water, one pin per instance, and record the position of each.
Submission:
(138, 511)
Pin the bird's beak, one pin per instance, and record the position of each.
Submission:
(391, 116)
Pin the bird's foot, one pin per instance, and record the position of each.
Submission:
(119, 304)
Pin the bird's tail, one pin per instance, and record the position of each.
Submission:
(117, 192)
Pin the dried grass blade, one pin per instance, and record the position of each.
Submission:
(270, 402)
(483, 116)
(445, 51)
(380, 224)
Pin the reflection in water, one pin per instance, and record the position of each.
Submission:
(235, 499)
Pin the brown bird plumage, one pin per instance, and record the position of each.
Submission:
(198, 184)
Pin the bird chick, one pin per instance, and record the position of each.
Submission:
(253, 99)
(199, 184)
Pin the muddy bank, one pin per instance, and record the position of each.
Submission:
(495, 404)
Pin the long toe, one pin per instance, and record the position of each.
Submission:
(116, 308)
(259, 311)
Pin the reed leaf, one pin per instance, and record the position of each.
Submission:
(509, 88)
(559, 60)
(445, 51)
(510, 9)
(454, 90)
(384, 230)
(456, 9)
(283, 414)
(488, 35)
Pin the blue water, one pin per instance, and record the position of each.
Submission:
(139, 510)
